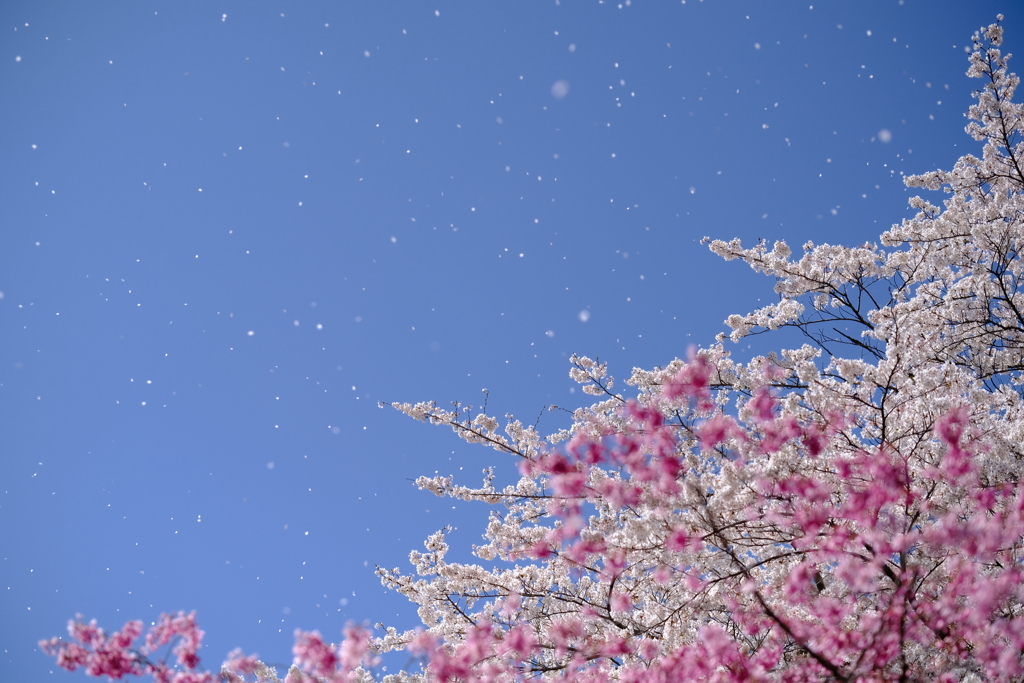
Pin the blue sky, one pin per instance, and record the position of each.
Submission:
(230, 229)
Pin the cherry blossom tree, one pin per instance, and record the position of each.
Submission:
(848, 510)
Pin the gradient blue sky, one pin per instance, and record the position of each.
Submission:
(229, 229)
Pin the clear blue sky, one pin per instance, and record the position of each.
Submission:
(229, 229)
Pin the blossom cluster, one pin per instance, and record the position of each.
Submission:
(115, 656)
